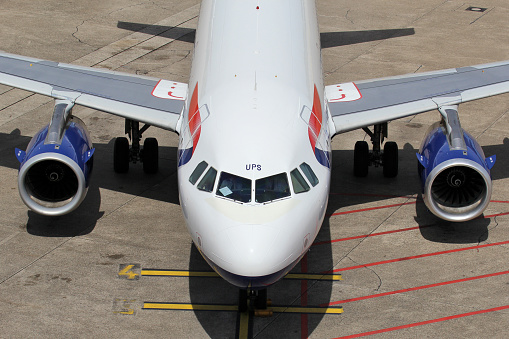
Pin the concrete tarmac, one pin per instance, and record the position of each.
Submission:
(405, 273)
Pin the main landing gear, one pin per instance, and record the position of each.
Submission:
(123, 155)
(256, 301)
(388, 158)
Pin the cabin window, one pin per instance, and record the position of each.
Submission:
(234, 187)
(198, 171)
(299, 184)
(272, 188)
(207, 182)
(308, 172)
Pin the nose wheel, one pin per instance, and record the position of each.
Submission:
(255, 301)
(123, 155)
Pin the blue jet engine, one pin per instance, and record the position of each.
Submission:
(55, 169)
(455, 174)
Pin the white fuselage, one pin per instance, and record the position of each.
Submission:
(256, 84)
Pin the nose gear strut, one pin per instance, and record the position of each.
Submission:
(255, 301)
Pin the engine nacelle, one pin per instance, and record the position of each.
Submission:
(55, 169)
(455, 174)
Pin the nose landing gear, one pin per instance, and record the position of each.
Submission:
(255, 301)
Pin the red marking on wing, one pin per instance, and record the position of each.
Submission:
(174, 96)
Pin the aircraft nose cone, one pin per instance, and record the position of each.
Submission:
(253, 249)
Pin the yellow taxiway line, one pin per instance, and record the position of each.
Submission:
(209, 274)
(234, 308)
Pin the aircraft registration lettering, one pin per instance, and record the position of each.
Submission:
(170, 90)
(252, 167)
(343, 92)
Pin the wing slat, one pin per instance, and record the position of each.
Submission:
(397, 97)
(122, 94)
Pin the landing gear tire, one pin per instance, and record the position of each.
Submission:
(390, 159)
(361, 159)
(243, 297)
(261, 300)
(150, 156)
(121, 155)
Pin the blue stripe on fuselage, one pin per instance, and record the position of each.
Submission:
(323, 157)
(184, 156)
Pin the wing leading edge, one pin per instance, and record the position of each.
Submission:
(149, 100)
(370, 102)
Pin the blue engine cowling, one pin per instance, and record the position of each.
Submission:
(456, 181)
(55, 170)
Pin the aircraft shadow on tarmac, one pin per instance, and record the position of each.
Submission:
(328, 39)
(286, 292)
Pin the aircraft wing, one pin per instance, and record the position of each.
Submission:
(149, 100)
(365, 103)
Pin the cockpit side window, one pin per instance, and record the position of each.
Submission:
(198, 171)
(299, 184)
(207, 182)
(272, 188)
(234, 187)
(308, 172)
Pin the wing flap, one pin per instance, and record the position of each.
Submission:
(126, 95)
(386, 99)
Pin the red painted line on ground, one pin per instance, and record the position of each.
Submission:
(495, 215)
(415, 288)
(416, 257)
(370, 235)
(304, 298)
(375, 195)
(373, 208)
(395, 196)
(396, 231)
(425, 322)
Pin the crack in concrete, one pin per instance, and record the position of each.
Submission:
(76, 32)
(372, 270)
(492, 124)
(347, 255)
(347, 18)
(479, 239)
(370, 50)
(104, 16)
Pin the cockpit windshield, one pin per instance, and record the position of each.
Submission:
(308, 172)
(299, 184)
(266, 189)
(272, 188)
(234, 187)
(207, 182)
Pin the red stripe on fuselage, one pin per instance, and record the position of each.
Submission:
(315, 120)
(194, 118)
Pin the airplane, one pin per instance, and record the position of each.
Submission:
(255, 125)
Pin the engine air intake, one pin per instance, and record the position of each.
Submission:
(51, 181)
(458, 186)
